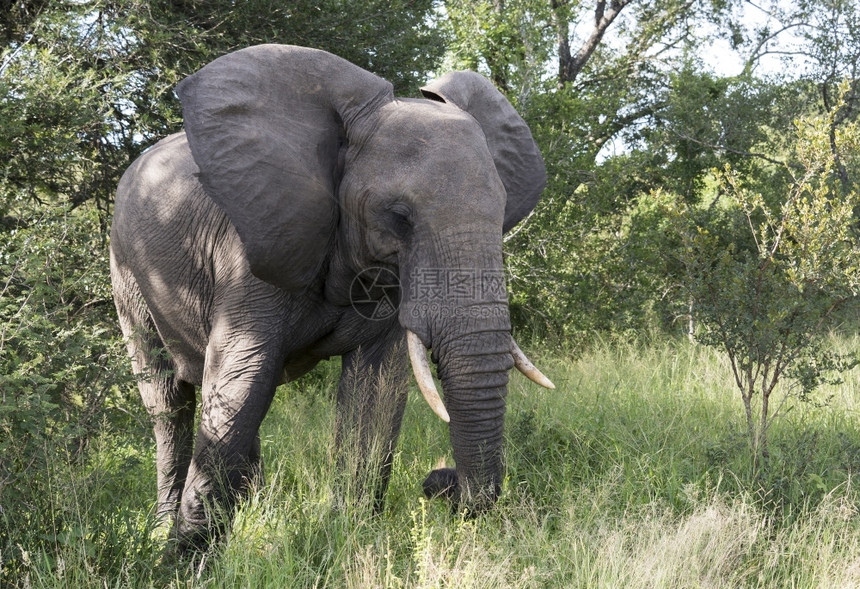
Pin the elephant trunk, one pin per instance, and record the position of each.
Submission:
(424, 377)
(457, 305)
(473, 369)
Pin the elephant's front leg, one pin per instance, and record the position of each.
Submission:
(371, 399)
(238, 387)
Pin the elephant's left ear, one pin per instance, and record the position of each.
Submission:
(517, 157)
(269, 126)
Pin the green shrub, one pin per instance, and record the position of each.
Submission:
(63, 373)
(766, 273)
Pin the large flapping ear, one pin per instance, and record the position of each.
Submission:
(517, 157)
(266, 126)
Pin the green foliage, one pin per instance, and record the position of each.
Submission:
(395, 40)
(642, 116)
(81, 94)
(86, 86)
(510, 41)
(639, 456)
(63, 375)
(765, 275)
(596, 255)
(634, 473)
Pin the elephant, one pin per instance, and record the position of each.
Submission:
(305, 213)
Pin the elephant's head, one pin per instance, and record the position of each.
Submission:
(324, 174)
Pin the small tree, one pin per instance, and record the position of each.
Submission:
(766, 275)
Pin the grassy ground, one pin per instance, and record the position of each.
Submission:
(634, 473)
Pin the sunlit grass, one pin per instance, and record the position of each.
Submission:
(635, 472)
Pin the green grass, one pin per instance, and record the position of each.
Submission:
(635, 472)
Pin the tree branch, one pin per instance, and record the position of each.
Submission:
(729, 149)
(756, 54)
(569, 66)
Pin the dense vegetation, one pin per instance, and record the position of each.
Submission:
(688, 196)
(637, 475)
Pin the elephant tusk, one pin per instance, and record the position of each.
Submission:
(421, 368)
(525, 366)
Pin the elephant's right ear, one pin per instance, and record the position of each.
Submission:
(267, 126)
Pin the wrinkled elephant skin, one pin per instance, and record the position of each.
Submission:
(265, 237)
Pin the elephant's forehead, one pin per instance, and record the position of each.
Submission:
(428, 132)
(428, 120)
(421, 148)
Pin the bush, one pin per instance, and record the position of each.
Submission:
(63, 374)
(766, 273)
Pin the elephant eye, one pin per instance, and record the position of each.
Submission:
(400, 219)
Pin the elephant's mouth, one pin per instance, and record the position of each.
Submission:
(424, 377)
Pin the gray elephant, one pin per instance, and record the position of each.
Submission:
(305, 212)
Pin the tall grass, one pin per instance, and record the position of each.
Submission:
(635, 472)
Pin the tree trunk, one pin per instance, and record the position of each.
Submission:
(569, 65)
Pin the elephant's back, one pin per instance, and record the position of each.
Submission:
(156, 189)
(168, 234)
(163, 221)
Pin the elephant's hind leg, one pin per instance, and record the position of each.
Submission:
(169, 401)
